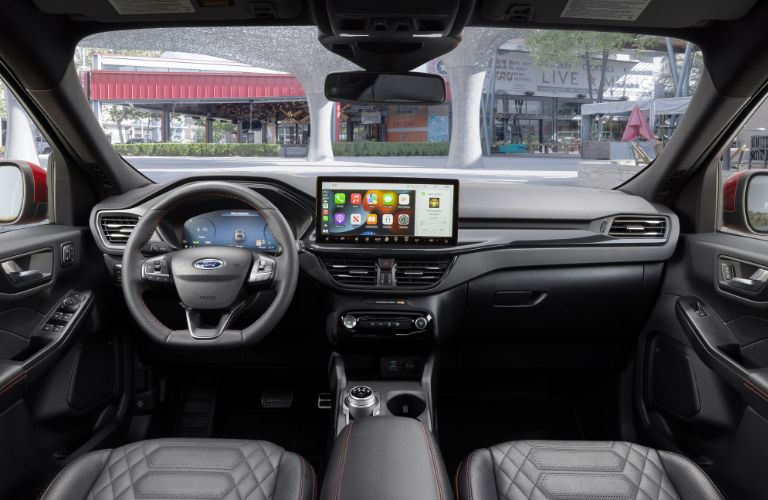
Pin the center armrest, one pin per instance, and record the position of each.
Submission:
(386, 458)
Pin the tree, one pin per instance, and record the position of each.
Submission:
(223, 130)
(119, 113)
(548, 47)
(666, 85)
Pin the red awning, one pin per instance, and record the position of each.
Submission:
(126, 86)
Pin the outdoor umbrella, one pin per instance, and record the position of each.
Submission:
(637, 127)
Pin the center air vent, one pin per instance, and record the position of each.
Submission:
(352, 271)
(420, 273)
(374, 272)
(638, 227)
(117, 228)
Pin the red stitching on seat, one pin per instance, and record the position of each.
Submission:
(340, 472)
(456, 481)
(59, 474)
(469, 484)
(438, 486)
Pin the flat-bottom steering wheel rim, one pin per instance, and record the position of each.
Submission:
(285, 274)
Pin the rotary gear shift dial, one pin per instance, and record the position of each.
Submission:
(361, 401)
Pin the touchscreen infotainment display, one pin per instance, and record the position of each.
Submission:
(387, 211)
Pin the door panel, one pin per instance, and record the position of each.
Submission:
(62, 370)
(704, 359)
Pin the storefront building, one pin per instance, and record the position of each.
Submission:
(540, 104)
(208, 99)
(394, 123)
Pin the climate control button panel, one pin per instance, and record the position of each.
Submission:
(385, 324)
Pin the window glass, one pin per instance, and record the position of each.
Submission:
(20, 140)
(746, 154)
(555, 107)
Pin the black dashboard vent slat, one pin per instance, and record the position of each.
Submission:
(352, 271)
(117, 228)
(638, 227)
(417, 273)
(364, 272)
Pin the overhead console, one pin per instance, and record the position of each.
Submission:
(397, 35)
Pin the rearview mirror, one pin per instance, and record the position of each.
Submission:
(367, 87)
(23, 193)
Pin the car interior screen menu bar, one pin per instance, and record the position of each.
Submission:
(387, 212)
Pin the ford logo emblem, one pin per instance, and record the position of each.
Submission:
(208, 263)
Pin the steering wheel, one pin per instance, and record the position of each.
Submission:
(212, 280)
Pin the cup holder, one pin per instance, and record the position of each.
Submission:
(406, 405)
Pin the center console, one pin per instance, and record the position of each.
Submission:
(379, 246)
(384, 440)
(386, 458)
(407, 394)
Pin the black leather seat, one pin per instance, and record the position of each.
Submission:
(186, 468)
(580, 470)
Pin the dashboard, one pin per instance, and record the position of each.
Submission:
(236, 228)
(541, 258)
(490, 224)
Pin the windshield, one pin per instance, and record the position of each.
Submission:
(533, 106)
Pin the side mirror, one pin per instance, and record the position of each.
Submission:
(745, 202)
(23, 193)
(368, 87)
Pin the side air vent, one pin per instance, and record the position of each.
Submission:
(117, 228)
(420, 273)
(352, 271)
(638, 227)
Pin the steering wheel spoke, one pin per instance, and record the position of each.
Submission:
(157, 270)
(199, 330)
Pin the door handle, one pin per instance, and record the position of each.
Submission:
(19, 276)
(752, 284)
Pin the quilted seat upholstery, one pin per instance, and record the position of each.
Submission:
(522, 470)
(186, 468)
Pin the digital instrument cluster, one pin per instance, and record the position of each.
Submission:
(234, 228)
